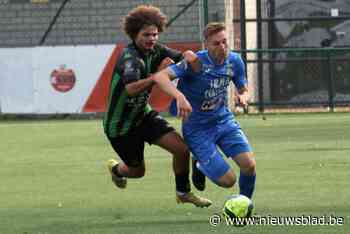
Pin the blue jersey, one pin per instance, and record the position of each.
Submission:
(207, 90)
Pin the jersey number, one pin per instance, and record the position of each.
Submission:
(210, 105)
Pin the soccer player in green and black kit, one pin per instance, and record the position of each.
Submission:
(129, 121)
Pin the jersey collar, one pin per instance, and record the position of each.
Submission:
(212, 61)
(143, 55)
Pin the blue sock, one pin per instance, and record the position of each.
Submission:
(246, 184)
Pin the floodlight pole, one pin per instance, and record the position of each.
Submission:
(42, 41)
(180, 13)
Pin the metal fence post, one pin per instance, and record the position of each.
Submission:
(243, 41)
(260, 63)
(330, 81)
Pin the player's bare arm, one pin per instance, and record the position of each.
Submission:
(165, 63)
(189, 56)
(243, 96)
(139, 86)
(163, 80)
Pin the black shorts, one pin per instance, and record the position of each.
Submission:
(130, 147)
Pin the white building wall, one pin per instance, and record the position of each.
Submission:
(25, 82)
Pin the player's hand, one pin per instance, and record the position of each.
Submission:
(165, 62)
(193, 60)
(243, 99)
(184, 108)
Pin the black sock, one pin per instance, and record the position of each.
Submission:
(183, 183)
(116, 171)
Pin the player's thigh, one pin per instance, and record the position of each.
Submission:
(216, 169)
(156, 130)
(154, 127)
(209, 160)
(233, 141)
(173, 142)
(201, 142)
(130, 149)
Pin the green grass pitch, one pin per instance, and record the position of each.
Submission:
(53, 179)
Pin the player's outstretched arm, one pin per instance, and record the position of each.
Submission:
(193, 60)
(165, 63)
(134, 88)
(163, 79)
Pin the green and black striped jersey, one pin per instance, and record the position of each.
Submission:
(125, 113)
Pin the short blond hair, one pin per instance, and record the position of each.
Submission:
(213, 28)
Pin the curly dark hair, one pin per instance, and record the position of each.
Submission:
(141, 16)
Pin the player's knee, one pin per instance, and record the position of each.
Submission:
(228, 183)
(182, 159)
(250, 167)
(183, 152)
(180, 151)
(228, 180)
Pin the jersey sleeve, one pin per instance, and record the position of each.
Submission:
(130, 71)
(180, 69)
(171, 53)
(239, 78)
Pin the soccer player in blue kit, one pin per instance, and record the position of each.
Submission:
(202, 101)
